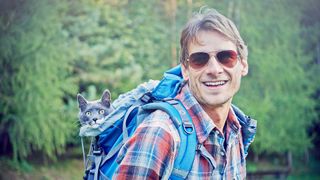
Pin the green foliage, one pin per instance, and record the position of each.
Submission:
(114, 42)
(34, 63)
(277, 90)
(310, 25)
(50, 50)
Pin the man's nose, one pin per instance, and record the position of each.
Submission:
(214, 66)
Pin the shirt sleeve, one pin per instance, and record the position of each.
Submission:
(148, 153)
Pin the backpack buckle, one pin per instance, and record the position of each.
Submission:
(171, 101)
(147, 97)
(188, 127)
(97, 151)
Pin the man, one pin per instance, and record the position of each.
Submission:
(213, 60)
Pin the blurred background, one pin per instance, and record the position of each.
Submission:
(52, 49)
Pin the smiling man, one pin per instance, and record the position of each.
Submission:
(213, 60)
(213, 70)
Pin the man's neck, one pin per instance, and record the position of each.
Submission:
(218, 115)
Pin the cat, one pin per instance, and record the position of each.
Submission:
(93, 113)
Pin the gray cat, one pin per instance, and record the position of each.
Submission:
(93, 113)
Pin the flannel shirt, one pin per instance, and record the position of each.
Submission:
(151, 151)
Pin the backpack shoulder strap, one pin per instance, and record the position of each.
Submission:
(188, 144)
(249, 128)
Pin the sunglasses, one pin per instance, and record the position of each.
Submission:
(227, 58)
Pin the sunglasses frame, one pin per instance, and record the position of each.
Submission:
(210, 54)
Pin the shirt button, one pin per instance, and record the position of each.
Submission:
(222, 153)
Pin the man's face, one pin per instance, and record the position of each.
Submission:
(214, 84)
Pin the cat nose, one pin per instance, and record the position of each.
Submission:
(95, 119)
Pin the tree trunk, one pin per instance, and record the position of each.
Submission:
(189, 8)
(256, 158)
(318, 53)
(306, 157)
(289, 160)
(173, 14)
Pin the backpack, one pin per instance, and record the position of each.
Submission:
(131, 109)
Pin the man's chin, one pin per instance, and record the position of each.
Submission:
(216, 101)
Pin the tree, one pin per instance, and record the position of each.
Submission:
(277, 90)
(34, 66)
(119, 44)
(51, 50)
(310, 24)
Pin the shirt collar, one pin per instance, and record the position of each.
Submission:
(204, 125)
(232, 125)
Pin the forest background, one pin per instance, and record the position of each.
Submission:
(52, 49)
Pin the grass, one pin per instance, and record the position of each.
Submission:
(70, 167)
(301, 170)
(308, 171)
(67, 167)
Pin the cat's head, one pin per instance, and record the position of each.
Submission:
(93, 113)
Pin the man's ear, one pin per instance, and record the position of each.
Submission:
(185, 72)
(245, 67)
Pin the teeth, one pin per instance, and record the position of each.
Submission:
(217, 83)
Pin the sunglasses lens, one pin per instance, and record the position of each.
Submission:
(198, 60)
(227, 58)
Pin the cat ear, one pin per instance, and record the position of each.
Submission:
(82, 102)
(106, 98)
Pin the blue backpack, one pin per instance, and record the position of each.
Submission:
(130, 110)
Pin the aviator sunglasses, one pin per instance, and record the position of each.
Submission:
(227, 58)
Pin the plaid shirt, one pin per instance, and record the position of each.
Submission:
(150, 152)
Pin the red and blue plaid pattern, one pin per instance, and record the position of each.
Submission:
(150, 152)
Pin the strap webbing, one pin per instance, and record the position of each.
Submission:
(125, 133)
(85, 162)
(97, 160)
(188, 140)
(83, 153)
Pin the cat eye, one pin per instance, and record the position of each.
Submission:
(88, 113)
(101, 111)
